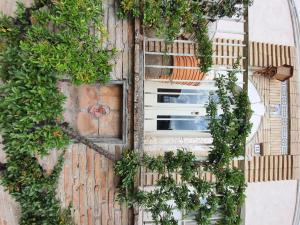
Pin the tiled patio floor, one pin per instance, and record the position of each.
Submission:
(80, 99)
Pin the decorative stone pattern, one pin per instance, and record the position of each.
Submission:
(273, 132)
(284, 118)
(81, 99)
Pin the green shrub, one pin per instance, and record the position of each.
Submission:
(194, 194)
(172, 18)
(40, 45)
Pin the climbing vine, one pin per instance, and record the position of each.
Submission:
(40, 45)
(53, 39)
(194, 194)
(172, 18)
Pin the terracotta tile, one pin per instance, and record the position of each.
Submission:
(83, 97)
(87, 95)
(111, 90)
(87, 125)
(110, 125)
(115, 103)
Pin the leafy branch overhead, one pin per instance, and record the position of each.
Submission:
(172, 18)
(195, 196)
(40, 45)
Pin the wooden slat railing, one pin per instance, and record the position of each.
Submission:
(227, 50)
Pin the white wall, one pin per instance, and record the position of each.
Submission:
(269, 21)
(270, 203)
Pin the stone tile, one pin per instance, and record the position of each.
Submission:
(111, 90)
(80, 98)
(87, 95)
(115, 103)
(86, 124)
(110, 125)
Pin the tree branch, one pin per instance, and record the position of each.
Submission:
(81, 139)
(75, 135)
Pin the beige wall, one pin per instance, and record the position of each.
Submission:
(271, 203)
(9, 6)
(269, 21)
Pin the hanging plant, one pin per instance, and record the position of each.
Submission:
(193, 194)
(172, 18)
(40, 45)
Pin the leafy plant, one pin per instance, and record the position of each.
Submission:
(186, 196)
(172, 18)
(193, 194)
(40, 45)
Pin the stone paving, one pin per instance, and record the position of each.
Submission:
(82, 105)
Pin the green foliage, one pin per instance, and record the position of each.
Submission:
(40, 45)
(194, 195)
(229, 129)
(172, 18)
(186, 196)
(28, 183)
(126, 169)
(58, 39)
